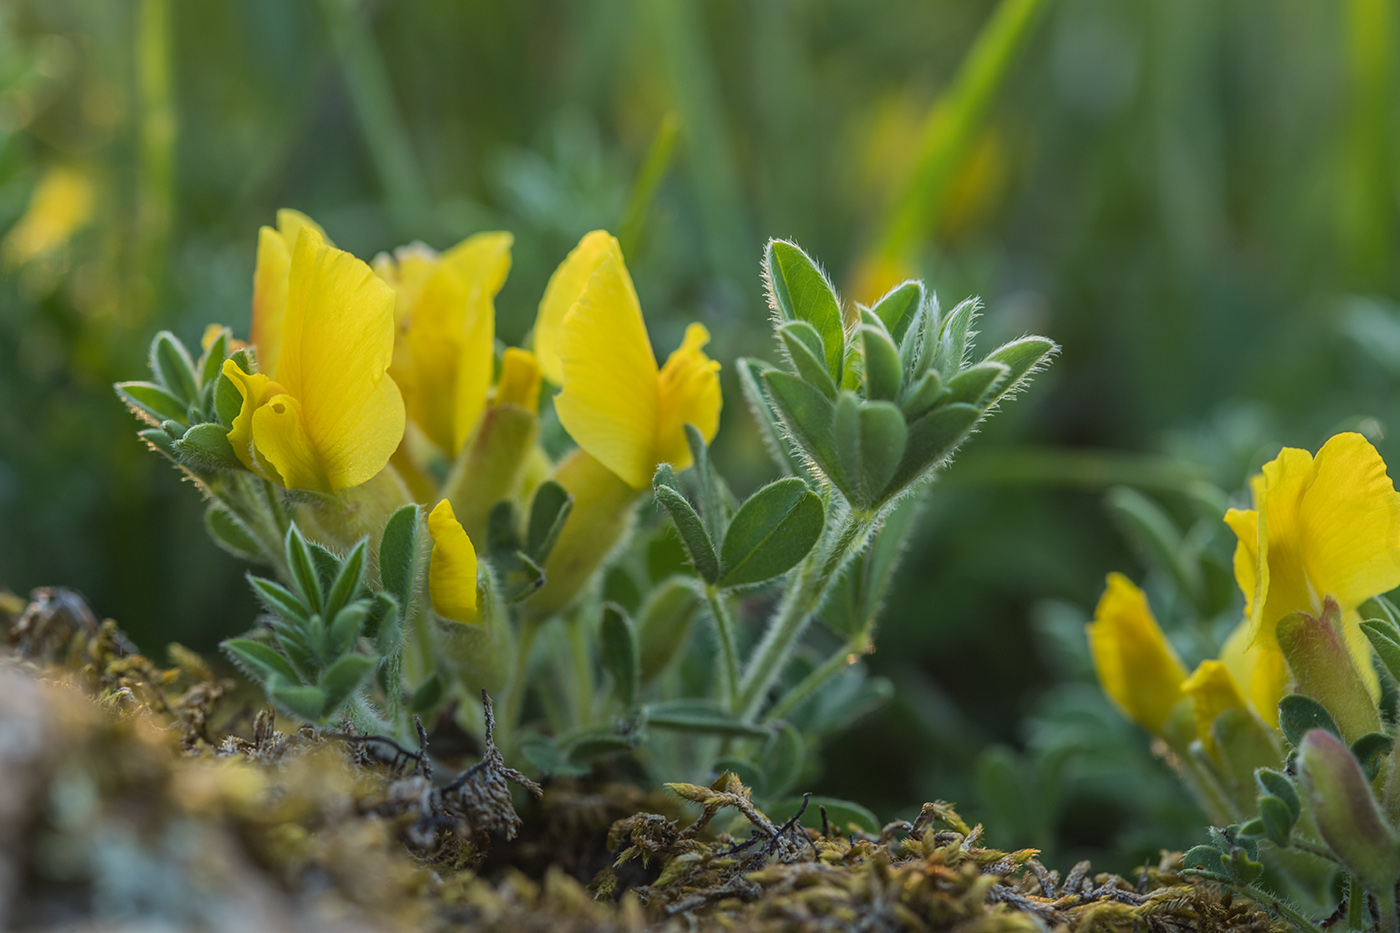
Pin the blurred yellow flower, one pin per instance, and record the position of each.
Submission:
(61, 205)
(452, 567)
(445, 316)
(1324, 526)
(520, 379)
(1138, 669)
(616, 403)
(329, 416)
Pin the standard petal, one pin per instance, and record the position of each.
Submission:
(281, 440)
(338, 341)
(270, 297)
(1260, 670)
(452, 567)
(1245, 524)
(611, 397)
(1138, 669)
(1283, 586)
(689, 394)
(1349, 523)
(564, 288)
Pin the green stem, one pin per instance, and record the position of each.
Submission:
(1385, 906)
(728, 655)
(509, 714)
(1356, 904)
(583, 670)
(815, 576)
(843, 658)
(1280, 907)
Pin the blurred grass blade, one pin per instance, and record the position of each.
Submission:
(1367, 198)
(654, 166)
(955, 122)
(385, 132)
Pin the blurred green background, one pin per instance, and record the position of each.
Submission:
(1197, 199)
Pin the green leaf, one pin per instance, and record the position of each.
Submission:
(784, 755)
(799, 291)
(916, 346)
(212, 362)
(228, 401)
(153, 400)
(549, 509)
(926, 392)
(1380, 608)
(258, 661)
(1370, 750)
(692, 531)
(770, 534)
(173, 367)
(699, 716)
(1276, 818)
(663, 625)
(398, 555)
(1278, 784)
(854, 602)
(1387, 648)
(206, 446)
(934, 437)
(883, 372)
(621, 656)
(598, 743)
(899, 306)
(427, 695)
(344, 630)
(302, 565)
(770, 422)
(298, 700)
(388, 636)
(713, 494)
(806, 353)
(230, 534)
(160, 440)
(1021, 358)
(349, 579)
(343, 678)
(953, 339)
(870, 439)
(1205, 859)
(808, 414)
(1297, 714)
(843, 816)
(543, 754)
(974, 384)
(280, 601)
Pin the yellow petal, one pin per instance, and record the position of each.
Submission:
(290, 222)
(483, 262)
(280, 438)
(452, 567)
(564, 288)
(270, 297)
(611, 397)
(1349, 521)
(256, 390)
(689, 395)
(1138, 669)
(1245, 524)
(1213, 691)
(520, 379)
(338, 341)
(1259, 669)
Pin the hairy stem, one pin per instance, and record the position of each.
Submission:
(815, 576)
(1280, 907)
(841, 659)
(728, 656)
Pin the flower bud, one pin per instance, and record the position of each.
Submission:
(1323, 669)
(1347, 815)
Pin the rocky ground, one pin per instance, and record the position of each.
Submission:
(135, 797)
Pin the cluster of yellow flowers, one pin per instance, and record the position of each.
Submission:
(1324, 531)
(367, 375)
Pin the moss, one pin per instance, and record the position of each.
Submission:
(132, 793)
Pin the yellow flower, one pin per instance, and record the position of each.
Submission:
(1138, 669)
(329, 416)
(452, 567)
(1213, 691)
(270, 279)
(520, 379)
(61, 205)
(1324, 526)
(446, 319)
(616, 403)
